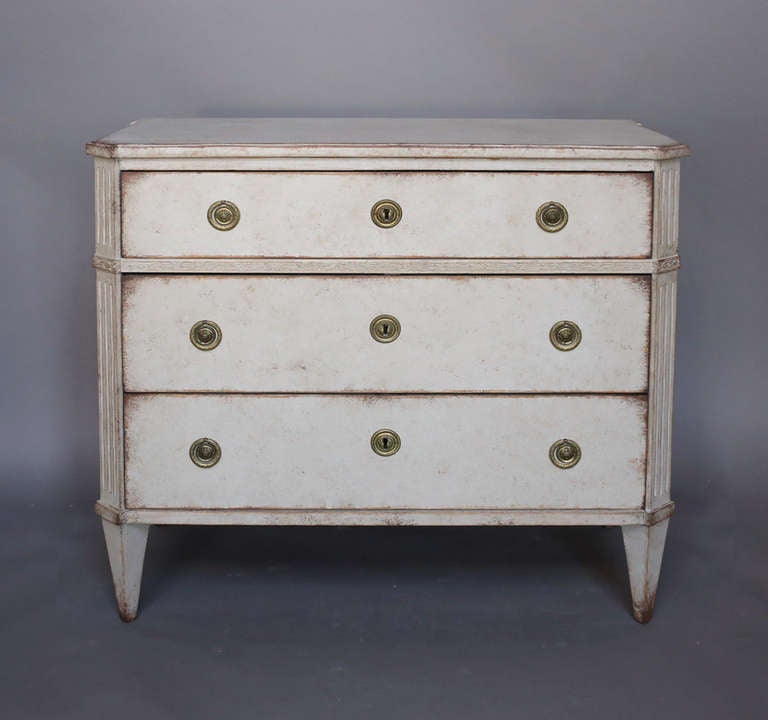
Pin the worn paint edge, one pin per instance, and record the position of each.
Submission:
(354, 165)
(390, 266)
(373, 516)
(384, 150)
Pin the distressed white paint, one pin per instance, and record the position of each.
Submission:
(389, 266)
(108, 332)
(313, 451)
(466, 459)
(459, 333)
(644, 547)
(454, 214)
(126, 545)
(665, 208)
(401, 516)
(109, 357)
(371, 137)
(413, 162)
(107, 207)
(660, 395)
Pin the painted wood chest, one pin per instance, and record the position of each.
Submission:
(386, 321)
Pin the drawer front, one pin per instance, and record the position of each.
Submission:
(313, 334)
(328, 214)
(314, 451)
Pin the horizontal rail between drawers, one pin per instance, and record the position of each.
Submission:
(390, 266)
(384, 394)
(375, 516)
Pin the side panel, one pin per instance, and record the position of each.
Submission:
(661, 385)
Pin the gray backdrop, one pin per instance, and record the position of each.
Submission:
(72, 70)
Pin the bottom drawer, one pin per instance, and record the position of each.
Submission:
(315, 451)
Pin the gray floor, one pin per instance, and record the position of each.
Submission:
(381, 622)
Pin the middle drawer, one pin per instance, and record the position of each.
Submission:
(261, 333)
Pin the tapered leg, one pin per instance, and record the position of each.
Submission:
(644, 546)
(125, 546)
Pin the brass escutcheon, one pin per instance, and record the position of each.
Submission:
(386, 213)
(565, 453)
(552, 216)
(223, 215)
(565, 335)
(385, 442)
(385, 328)
(205, 335)
(205, 452)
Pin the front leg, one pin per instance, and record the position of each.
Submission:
(644, 546)
(125, 546)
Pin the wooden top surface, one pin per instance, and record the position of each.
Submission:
(386, 137)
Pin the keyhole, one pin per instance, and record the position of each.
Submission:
(385, 442)
(386, 213)
(385, 328)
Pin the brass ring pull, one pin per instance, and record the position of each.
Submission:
(205, 452)
(205, 335)
(552, 216)
(385, 328)
(565, 453)
(385, 442)
(386, 213)
(565, 335)
(223, 215)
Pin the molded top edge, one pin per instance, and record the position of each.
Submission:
(386, 137)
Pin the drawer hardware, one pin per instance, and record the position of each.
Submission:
(565, 335)
(385, 328)
(223, 215)
(205, 452)
(565, 453)
(552, 216)
(205, 335)
(385, 442)
(386, 213)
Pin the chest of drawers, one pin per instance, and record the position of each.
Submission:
(371, 321)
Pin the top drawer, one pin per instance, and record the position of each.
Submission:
(441, 214)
